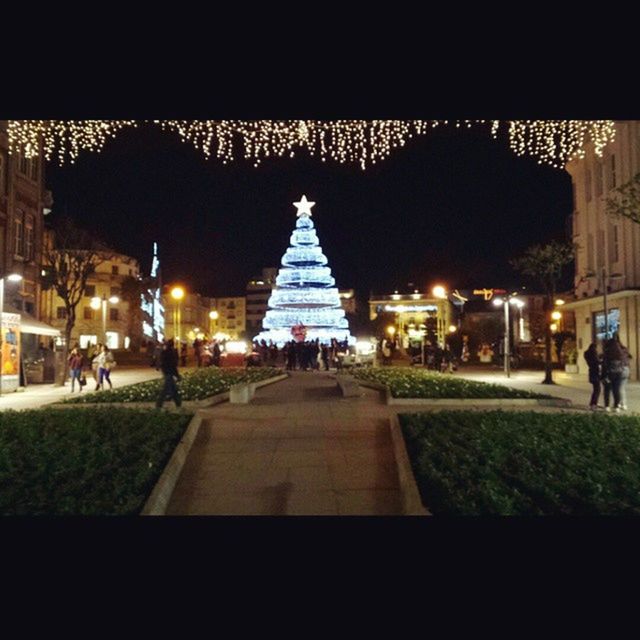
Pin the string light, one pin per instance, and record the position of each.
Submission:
(364, 142)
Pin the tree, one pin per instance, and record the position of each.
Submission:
(70, 257)
(625, 201)
(545, 264)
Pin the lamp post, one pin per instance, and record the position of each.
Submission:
(13, 277)
(98, 302)
(177, 293)
(213, 316)
(505, 301)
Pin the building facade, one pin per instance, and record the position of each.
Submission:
(232, 318)
(607, 266)
(99, 317)
(23, 202)
(188, 318)
(258, 292)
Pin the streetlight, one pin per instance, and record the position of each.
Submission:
(98, 302)
(177, 293)
(12, 277)
(439, 292)
(213, 315)
(603, 280)
(505, 301)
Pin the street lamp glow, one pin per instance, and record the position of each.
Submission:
(214, 315)
(554, 327)
(518, 303)
(498, 302)
(177, 293)
(559, 302)
(95, 303)
(14, 277)
(452, 328)
(439, 291)
(114, 299)
(391, 330)
(556, 315)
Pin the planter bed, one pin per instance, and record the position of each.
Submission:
(525, 463)
(402, 386)
(203, 387)
(89, 461)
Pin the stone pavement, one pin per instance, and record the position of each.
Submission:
(569, 386)
(39, 395)
(298, 449)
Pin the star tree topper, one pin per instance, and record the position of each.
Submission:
(303, 207)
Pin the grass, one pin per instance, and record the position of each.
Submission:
(99, 461)
(196, 385)
(418, 383)
(525, 463)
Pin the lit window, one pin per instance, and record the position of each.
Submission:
(112, 339)
(86, 341)
(29, 239)
(18, 232)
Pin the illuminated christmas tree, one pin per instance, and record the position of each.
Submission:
(304, 293)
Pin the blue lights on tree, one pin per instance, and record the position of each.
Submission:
(305, 293)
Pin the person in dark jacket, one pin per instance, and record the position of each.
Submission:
(169, 368)
(76, 362)
(593, 362)
(613, 366)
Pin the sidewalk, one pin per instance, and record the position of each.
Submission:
(299, 448)
(39, 395)
(567, 385)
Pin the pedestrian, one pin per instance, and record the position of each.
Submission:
(325, 357)
(97, 360)
(626, 356)
(216, 354)
(613, 363)
(169, 368)
(76, 362)
(196, 349)
(595, 375)
(183, 354)
(104, 371)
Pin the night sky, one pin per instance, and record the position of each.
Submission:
(452, 206)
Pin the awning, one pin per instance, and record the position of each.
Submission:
(29, 324)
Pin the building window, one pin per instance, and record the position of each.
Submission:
(598, 177)
(22, 164)
(115, 291)
(18, 232)
(131, 272)
(87, 341)
(90, 290)
(114, 270)
(611, 183)
(615, 252)
(112, 339)
(113, 314)
(88, 313)
(33, 169)
(587, 184)
(61, 313)
(590, 252)
(29, 239)
(29, 307)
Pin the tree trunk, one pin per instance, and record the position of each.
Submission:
(63, 374)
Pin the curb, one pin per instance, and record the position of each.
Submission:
(409, 494)
(156, 504)
(484, 402)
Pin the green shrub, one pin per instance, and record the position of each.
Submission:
(196, 385)
(525, 463)
(93, 461)
(418, 383)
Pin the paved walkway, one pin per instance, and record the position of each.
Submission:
(568, 386)
(39, 395)
(298, 449)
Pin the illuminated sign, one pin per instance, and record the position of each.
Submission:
(403, 308)
(488, 293)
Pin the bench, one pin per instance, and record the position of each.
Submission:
(242, 393)
(348, 385)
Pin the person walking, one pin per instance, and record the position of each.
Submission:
(325, 356)
(76, 362)
(104, 371)
(169, 368)
(595, 376)
(612, 363)
(96, 363)
(624, 378)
